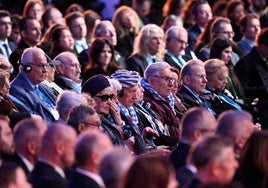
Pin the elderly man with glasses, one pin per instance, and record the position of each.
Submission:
(158, 83)
(28, 88)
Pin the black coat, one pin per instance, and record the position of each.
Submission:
(137, 63)
(80, 180)
(44, 176)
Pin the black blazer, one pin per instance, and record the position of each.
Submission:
(179, 154)
(188, 99)
(45, 176)
(15, 158)
(137, 63)
(252, 72)
(172, 63)
(78, 180)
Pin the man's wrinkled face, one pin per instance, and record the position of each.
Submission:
(129, 96)
(162, 82)
(197, 80)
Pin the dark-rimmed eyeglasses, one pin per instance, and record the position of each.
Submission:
(40, 65)
(90, 124)
(105, 98)
(167, 79)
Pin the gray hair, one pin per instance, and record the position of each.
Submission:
(68, 99)
(99, 28)
(29, 55)
(114, 166)
(153, 69)
(174, 31)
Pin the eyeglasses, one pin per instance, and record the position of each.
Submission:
(204, 130)
(5, 23)
(40, 65)
(229, 33)
(97, 125)
(181, 41)
(167, 79)
(105, 98)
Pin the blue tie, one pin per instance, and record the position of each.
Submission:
(206, 105)
(44, 98)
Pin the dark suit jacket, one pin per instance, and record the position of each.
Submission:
(179, 154)
(188, 99)
(172, 63)
(23, 91)
(193, 35)
(45, 176)
(15, 56)
(60, 82)
(17, 160)
(254, 82)
(78, 180)
(137, 63)
(12, 47)
(184, 176)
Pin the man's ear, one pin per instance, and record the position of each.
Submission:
(186, 79)
(31, 146)
(22, 33)
(60, 68)
(81, 127)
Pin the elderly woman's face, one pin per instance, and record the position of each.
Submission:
(103, 100)
(219, 80)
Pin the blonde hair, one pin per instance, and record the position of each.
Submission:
(144, 36)
(117, 21)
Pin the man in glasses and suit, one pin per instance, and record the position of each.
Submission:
(28, 88)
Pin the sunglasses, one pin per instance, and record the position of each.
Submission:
(105, 98)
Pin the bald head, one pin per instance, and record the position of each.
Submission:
(91, 143)
(237, 125)
(28, 130)
(176, 40)
(197, 123)
(69, 67)
(58, 145)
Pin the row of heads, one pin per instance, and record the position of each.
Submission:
(99, 82)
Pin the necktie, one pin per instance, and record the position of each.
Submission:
(44, 98)
(6, 50)
(206, 105)
(181, 61)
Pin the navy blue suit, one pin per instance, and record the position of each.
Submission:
(23, 91)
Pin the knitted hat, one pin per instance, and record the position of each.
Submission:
(126, 78)
(95, 84)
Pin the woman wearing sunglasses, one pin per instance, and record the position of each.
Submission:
(103, 93)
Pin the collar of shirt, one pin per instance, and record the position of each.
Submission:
(57, 168)
(3, 42)
(250, 42)
(77, 86)
(28, 164)
(150, 58)
(94, 176)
